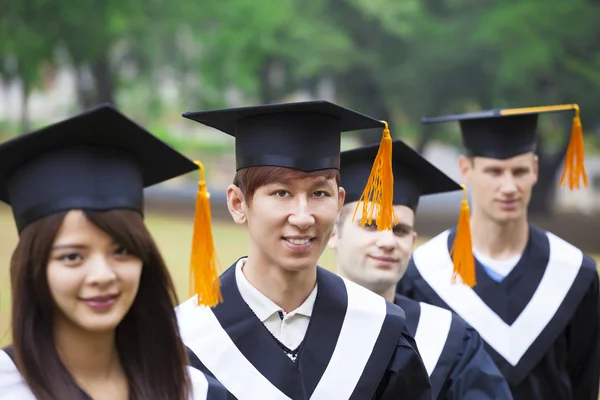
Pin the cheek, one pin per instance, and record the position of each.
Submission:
(64, 282)
(262, 219)
(129, 274)
(355, 241)
(326, 211)
(405, 244)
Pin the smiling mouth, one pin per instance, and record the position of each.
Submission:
(384, 259)
(101, 303)
(298, 241)
(102, 299)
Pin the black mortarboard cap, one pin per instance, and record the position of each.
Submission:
(510, 132)
(97, 160)
(499, 133)
(414, 176)
(303, 135)
(493, 135)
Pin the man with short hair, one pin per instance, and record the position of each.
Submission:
(288, 329)
(535, 302)
(453, 353)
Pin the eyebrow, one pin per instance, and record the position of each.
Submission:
(76, 246)
(404, 226)
(69, 246)
(319, 182)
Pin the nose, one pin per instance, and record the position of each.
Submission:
(100, 271)
(386, 240)
(301, 216)
(508, 184)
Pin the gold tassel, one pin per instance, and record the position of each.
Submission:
(378, 195)
(462, 248)
(574, 168)
(204, 263)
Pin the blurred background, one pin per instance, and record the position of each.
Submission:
(394, 60)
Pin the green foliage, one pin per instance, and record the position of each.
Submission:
(405, 58)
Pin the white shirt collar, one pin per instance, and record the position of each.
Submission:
(260, 304)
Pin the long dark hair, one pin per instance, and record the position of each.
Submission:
(147, 339)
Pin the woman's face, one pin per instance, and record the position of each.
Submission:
(93, 281)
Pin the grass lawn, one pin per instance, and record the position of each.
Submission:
(173, 236)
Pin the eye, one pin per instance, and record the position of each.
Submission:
(521, 172)
(401, 231)
(281, 193)
(122, 251)
(494, 172)
(70, 258)
(370, 226)
(320, 194)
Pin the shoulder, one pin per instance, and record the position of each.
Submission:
(565, 252)
(205, 386)
(190, 316)
(433, 253)
(12, 384)
(362, 300)
(440, 241)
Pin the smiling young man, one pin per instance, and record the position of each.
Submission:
(453, 352)
(535, 302)
(288, 329)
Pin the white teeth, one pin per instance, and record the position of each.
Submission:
(298, 241)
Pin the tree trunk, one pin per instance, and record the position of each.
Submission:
(266, 90)
(103, 79)
(25, 122)
(544, 191)
(83, 87)
(364, 95)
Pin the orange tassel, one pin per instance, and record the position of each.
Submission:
(378, 196)
(574, 168)
(204, 263)
(462, 248)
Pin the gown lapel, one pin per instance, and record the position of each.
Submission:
(521, 317)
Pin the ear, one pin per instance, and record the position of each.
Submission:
(341, 198)
(465, 165)
(536, 162)
(414, 239)
(333, 240)
(236, 204)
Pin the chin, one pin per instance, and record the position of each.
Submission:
(386, 279)
(509, 216)
(100, 323)
(297, 265)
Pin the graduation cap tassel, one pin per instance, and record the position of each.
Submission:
(204, 263)
(574, 168)
(379, 191)
(462, 249)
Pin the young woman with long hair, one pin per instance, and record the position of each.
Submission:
(92, 300)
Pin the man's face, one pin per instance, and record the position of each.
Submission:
(289, 222)
(501, 189)
(374, 259)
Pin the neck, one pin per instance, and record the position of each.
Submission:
(499, 240)
(288, 289)
(86, 355)
(387, 292)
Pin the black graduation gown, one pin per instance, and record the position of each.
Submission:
(356, 347)
(453, 353)
(540, 324)
(13, 386)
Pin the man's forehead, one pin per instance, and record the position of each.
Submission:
(520, 160)
(405, 214)
(304, 180)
